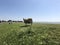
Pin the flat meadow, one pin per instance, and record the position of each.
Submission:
(35, 34)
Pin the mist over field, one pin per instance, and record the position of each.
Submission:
(48, 22)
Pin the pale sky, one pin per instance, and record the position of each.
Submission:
(38, 10)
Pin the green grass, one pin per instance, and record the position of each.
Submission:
(37, 34)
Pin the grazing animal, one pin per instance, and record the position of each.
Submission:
(10, 21)
(28, 21)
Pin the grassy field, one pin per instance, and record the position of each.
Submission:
(37, 34)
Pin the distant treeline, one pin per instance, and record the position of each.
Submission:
(9, 21)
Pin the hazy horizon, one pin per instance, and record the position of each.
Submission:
(38, 10)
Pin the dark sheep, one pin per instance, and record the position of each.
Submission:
(28, 21)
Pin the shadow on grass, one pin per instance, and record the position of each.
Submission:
(25, 26)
